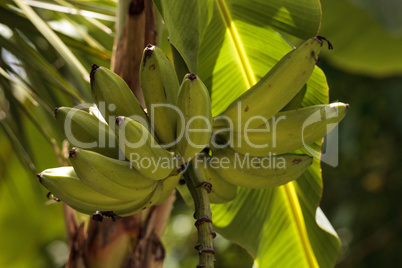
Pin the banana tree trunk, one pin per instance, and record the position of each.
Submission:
(130, 241)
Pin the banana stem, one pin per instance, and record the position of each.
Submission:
(199, 191)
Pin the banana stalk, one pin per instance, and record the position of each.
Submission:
(199, 190)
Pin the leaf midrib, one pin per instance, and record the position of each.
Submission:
(236, 41)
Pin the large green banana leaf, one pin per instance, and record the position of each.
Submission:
(367, 37)
(279, 227)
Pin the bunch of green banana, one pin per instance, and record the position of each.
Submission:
(160, 87)
(288, 131)
(194, 126)
(259, 172)
(143, 151)
(275, 89)
(64, 183)
(261, 129)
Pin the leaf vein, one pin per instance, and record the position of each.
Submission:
(236, 40)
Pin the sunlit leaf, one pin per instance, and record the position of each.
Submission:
(186, 21)
(241, 50)
(299, 18)
(276, 226)
(282, 229)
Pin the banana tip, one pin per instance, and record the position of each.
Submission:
(39, 175)
(119, 120)
(73, 153)
(55, 112)
(206, 150)
(191, 77)
(321, 38)
(347, 106)
(150, 48)
(94, 67)
(99, 215)
(148, 51)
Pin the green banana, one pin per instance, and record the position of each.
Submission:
(258, 172)
(142, 150)
(289, 130)
(86, 131)
(277, 87)
(194, 126)
(111, 177)
(222, 190)
(113, 96)
(64, 184)
(160, 86)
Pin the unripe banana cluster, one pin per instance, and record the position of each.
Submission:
(127, 158)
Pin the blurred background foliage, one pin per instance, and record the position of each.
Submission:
(362, 196)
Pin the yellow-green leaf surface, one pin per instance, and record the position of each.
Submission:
(242, 50)
(186, 21)
(281, 227)
(278, 227)
(367, 36)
